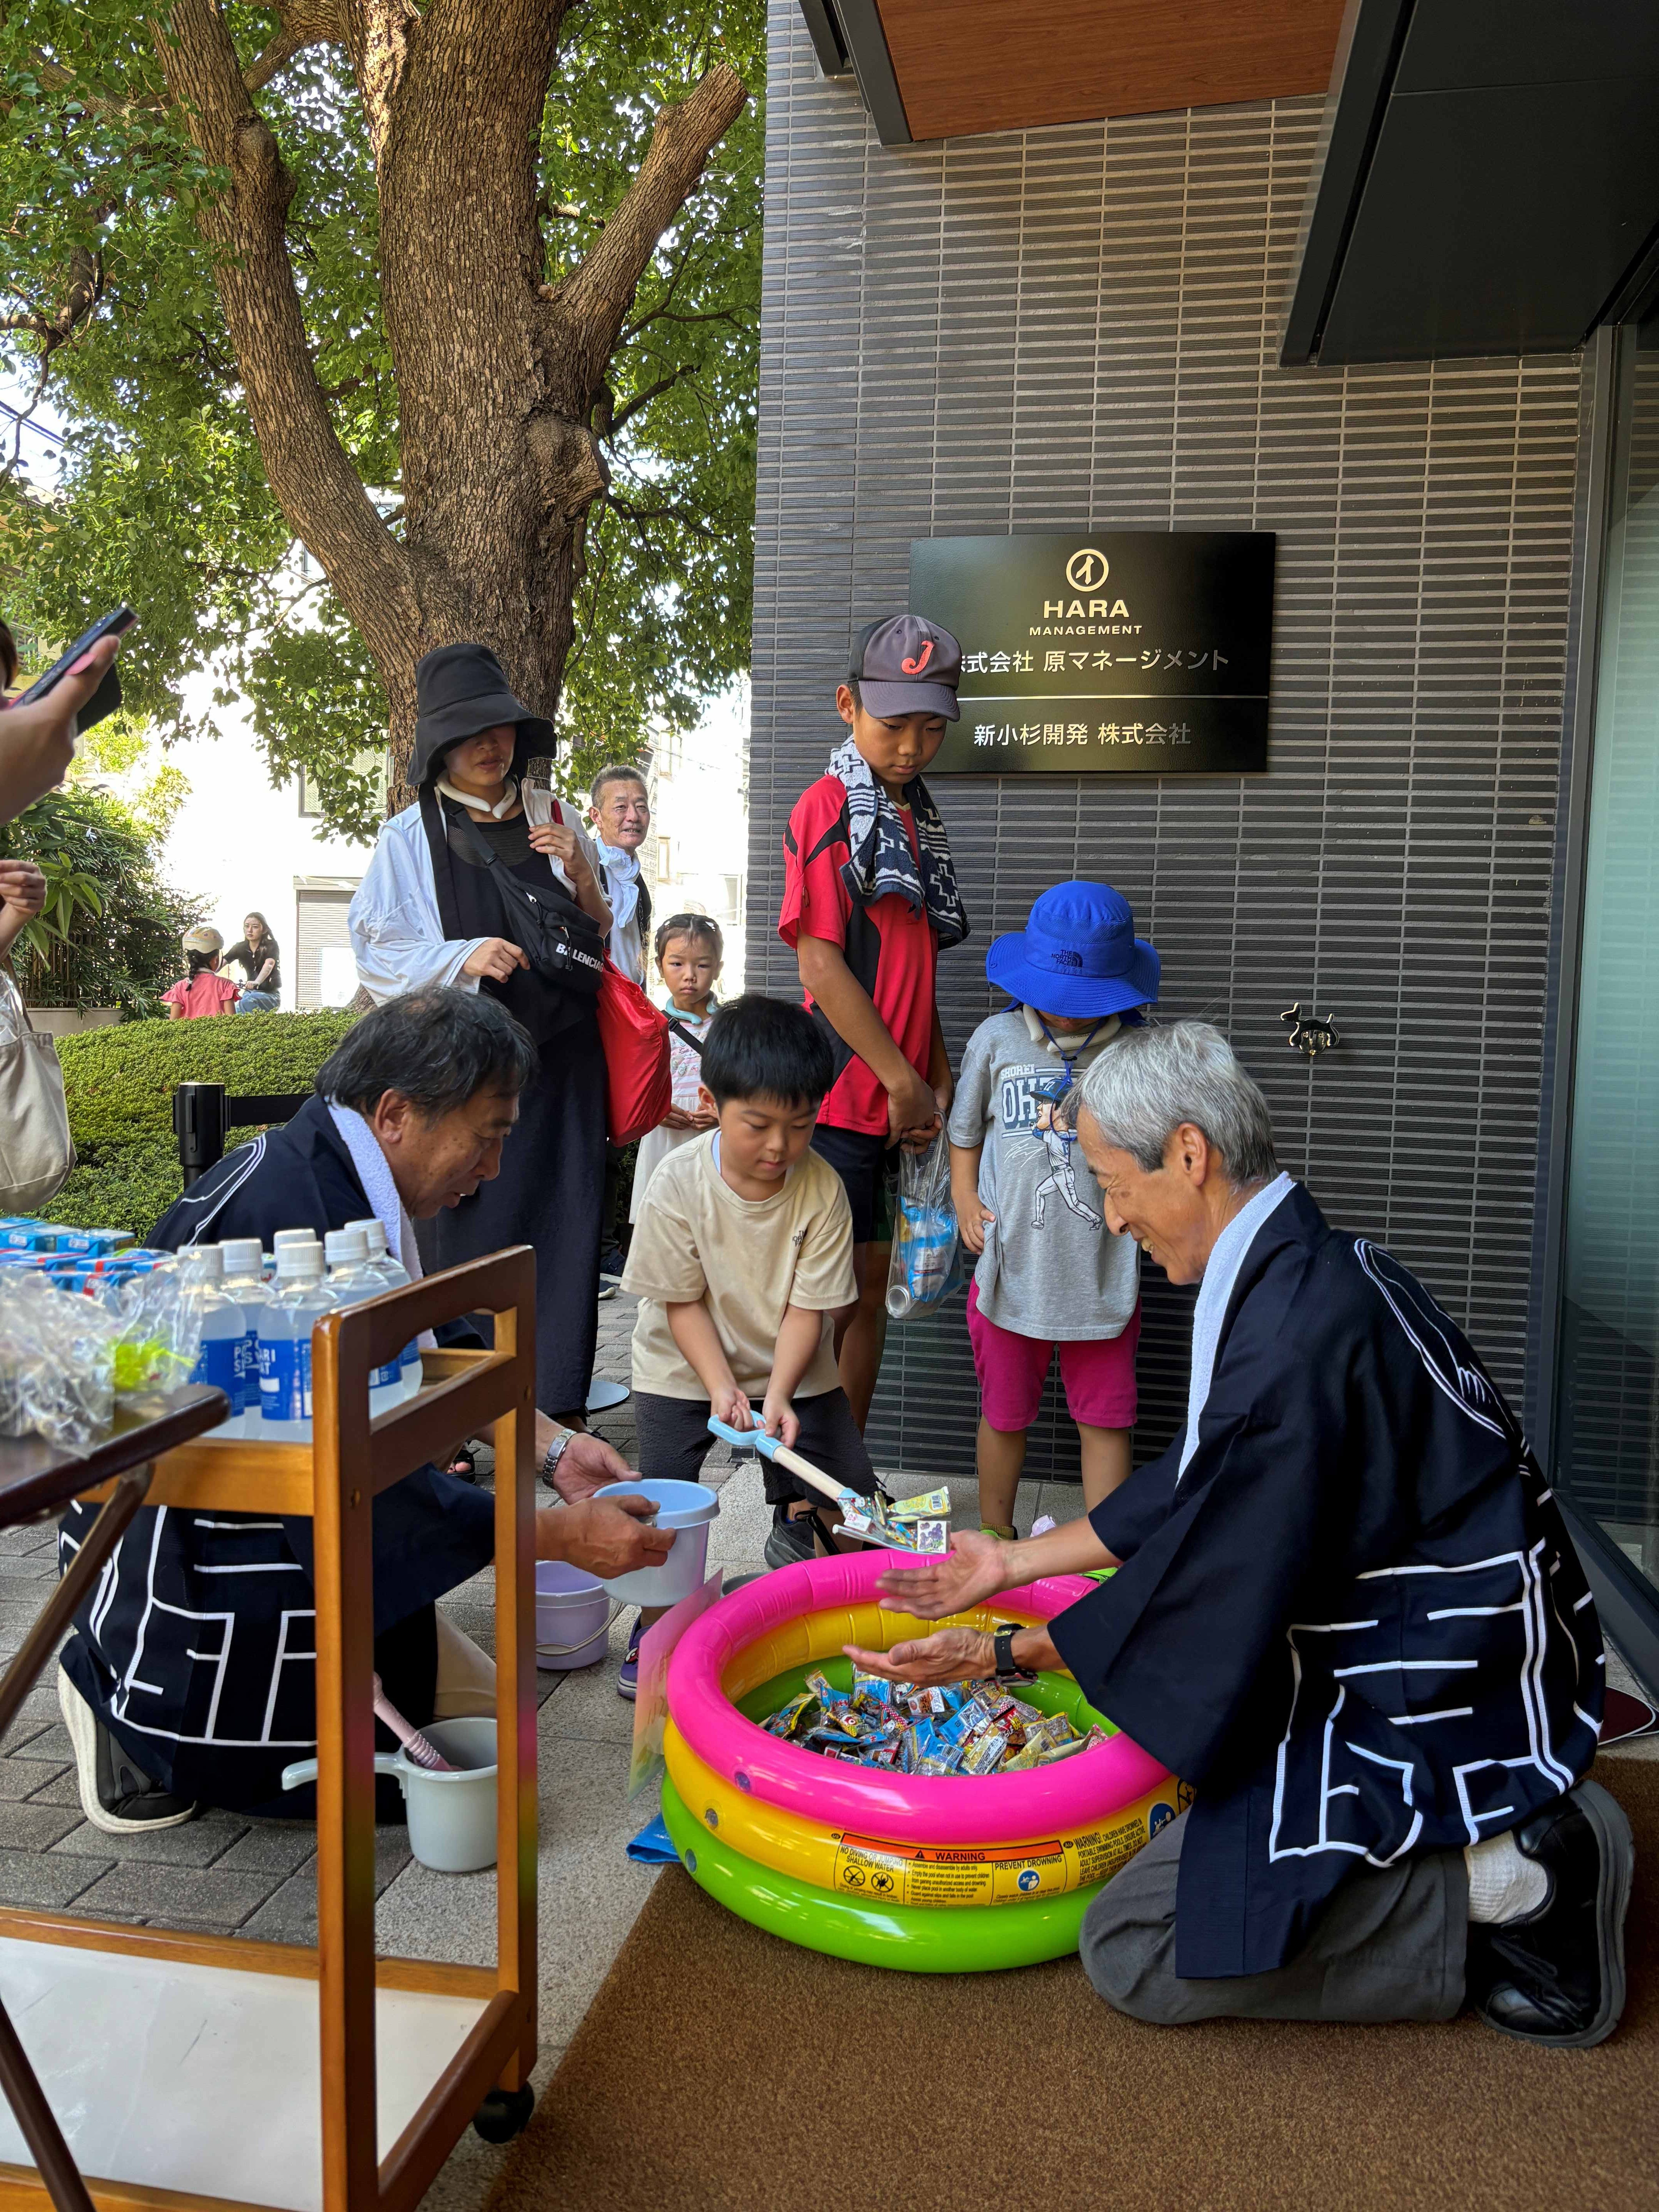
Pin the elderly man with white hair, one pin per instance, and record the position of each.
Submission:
(1344, 1610)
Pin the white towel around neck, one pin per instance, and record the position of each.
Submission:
(1214, 1292)
(376, 1177)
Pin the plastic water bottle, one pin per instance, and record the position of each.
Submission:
(245, 1281)
(350, 1283)
(391, 1275)
(218, 1358)
(285, 1326)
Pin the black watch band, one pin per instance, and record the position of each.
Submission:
(1002, 1643)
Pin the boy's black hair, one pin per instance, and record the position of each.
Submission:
(693, 925)
(762, 1048)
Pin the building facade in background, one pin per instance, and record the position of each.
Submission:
(1172, 299)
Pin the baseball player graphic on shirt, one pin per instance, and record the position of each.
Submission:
(1061, 1144)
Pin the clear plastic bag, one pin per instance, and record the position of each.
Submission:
(927, 1246)
(57, 1363)
(159, 1335)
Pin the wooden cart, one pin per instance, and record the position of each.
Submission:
(108, 2008)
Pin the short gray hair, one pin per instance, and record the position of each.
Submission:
(1150, 1080)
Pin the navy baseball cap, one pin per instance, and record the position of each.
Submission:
(1077, 956)
(906, 664)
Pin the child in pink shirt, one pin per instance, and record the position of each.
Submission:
(204, 991)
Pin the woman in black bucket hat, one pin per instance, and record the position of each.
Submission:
(462, 890)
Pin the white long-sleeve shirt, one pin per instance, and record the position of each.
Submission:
(397, 937)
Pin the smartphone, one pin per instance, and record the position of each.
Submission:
(111, 625)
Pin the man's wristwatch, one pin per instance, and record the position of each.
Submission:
(1008, 1668)
(554, 1453)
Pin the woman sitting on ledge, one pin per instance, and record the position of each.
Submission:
(1345, 1610)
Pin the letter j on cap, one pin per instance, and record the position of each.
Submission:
(915, 667)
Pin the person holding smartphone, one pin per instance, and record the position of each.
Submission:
(38, 733)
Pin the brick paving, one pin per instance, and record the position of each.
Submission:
(223, 1873)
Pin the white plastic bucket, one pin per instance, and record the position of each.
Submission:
(572, 1616)
(685, 1507)
(451, 1817)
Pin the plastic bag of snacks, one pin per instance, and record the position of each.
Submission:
(923, 1272)
(57, 1363)
(158, 1337)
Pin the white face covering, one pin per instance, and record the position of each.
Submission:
(503, 806)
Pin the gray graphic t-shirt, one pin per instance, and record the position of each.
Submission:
(1050, 1268)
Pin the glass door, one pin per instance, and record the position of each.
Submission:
(1606, 1441)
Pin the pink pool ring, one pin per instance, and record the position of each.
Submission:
(761, 1631)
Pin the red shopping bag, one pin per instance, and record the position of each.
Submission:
(639, 1091)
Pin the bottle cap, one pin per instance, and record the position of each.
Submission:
(201, 1263)
(242, 1255)
(299, 1262)
(293, 1237)
(345, 1248)
(374, 1233)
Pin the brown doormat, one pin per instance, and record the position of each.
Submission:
(721, 2067)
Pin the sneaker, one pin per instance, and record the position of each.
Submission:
(791, 1541)
(628, 1674)
(606, 1289)
(1558, 1976)
(116, 1793)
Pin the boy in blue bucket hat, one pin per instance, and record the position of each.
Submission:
(1051, 1277)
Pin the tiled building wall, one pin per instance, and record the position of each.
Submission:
(1076, 328)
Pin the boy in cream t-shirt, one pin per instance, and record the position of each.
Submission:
(742, 1257)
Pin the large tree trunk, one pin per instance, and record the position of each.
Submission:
(497, 373)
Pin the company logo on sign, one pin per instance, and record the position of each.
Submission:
(1087, 570)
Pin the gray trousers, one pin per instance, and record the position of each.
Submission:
(1388, 1946)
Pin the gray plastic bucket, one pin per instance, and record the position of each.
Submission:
(451, 1817)
(687, 1508)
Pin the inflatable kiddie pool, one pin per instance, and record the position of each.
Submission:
(931, 1874)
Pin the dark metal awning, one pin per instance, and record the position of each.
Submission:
(1489, 181)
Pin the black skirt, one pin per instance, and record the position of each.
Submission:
(548, 1195)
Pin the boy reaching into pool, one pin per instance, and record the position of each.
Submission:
(1050, 1277)
(742, 1257)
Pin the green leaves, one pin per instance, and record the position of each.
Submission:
(108, 934)
(162, 499)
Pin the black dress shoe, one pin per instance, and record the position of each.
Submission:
(1557, 1976)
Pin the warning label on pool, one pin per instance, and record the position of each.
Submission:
(873, 1869)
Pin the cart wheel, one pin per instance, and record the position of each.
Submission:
(503, 2114)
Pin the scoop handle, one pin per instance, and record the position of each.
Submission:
(769, 1448)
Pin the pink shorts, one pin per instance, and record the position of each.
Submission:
(1098, 1373)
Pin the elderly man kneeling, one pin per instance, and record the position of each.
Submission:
(1344, 1610)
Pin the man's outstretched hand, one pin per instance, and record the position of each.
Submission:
(974, 1569)
(603, 1536)
(954, 1655)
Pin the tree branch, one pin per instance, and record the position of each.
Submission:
(304, 23)
(669, 513)
(313, 480)
(377, 34)
(591, 305)
(619, 417)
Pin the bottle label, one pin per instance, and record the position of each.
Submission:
(381, 1378)
(216, 1365)
(411, 1354)
(285, 1378)
(247, 1370)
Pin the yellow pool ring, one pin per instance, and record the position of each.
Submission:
(871, 1870)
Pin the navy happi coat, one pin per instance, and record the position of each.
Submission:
(198, 1648)
(1356, 1624)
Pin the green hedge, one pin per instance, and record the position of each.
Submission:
(119, 1083)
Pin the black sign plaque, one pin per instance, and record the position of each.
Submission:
(1123, 650)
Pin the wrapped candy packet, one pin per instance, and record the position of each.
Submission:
(959, 1728)
(789, 1718)
(925, 1505)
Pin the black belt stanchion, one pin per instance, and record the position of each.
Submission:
(199, 1123)
(202, 1113)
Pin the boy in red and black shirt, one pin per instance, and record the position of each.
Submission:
(870, 895)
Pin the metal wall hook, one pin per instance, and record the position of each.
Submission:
(1310, 1034)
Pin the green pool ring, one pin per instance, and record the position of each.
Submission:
(962, 1940)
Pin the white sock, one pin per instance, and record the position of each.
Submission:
(1505, 1884)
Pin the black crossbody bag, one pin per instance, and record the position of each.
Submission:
(565, 946)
